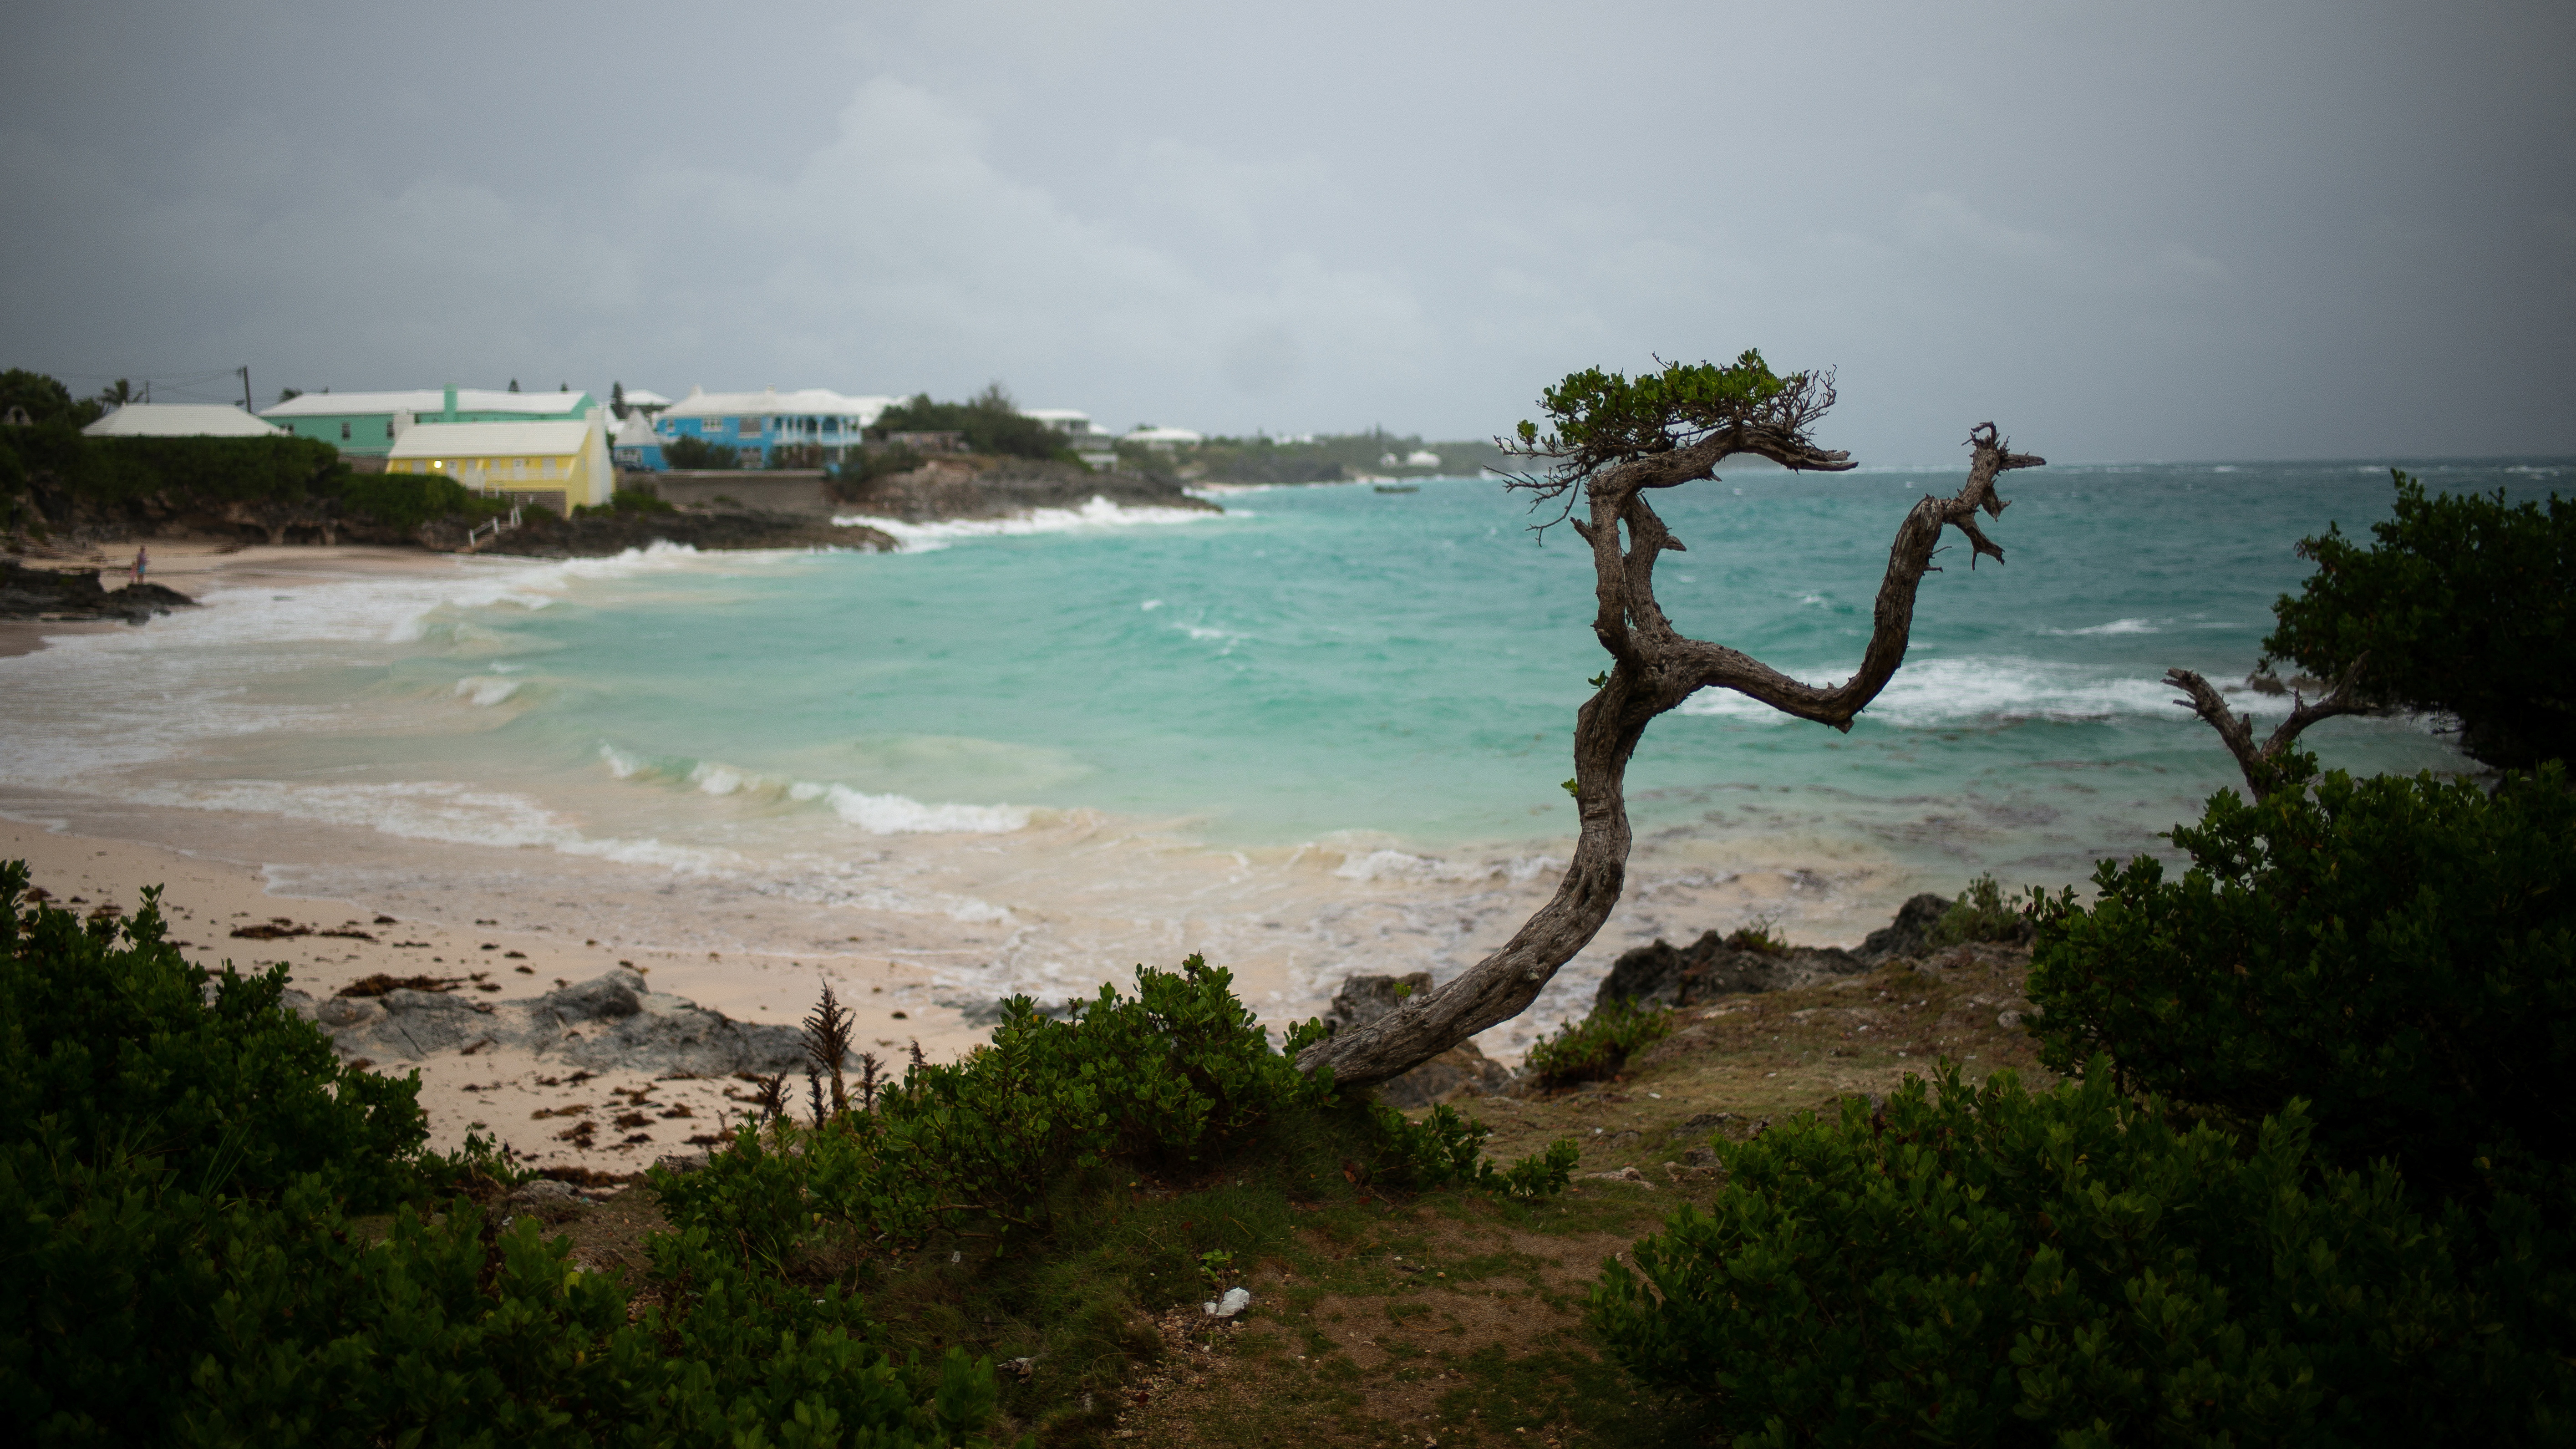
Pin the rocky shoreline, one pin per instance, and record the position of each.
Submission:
(77, 594)
(609, 1023)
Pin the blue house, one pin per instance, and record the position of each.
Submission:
(814, 423)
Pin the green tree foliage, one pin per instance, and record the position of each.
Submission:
(1989, 1266)
(2461, 606)
(45, 400)
(1597, 418)
(176, 1154)
(991, 421)
(2401, 952)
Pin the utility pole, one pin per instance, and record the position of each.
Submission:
(244, 370)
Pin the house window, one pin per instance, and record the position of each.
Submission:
(750, 427)
(344, 432)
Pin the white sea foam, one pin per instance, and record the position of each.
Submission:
(1098, 514)
(1935, 693)
(903, 815)
(2116, 626)
(436, 810)
(484, 691)
(1397, 865)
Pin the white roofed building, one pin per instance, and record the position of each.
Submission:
(811, 422)
(1063, 420)
(367, 423)
(181, 420)
(1165, 439)
(558, 465)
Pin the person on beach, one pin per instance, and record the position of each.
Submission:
(142, 561)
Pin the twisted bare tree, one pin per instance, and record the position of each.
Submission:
(1615, 440)
(2263, 764)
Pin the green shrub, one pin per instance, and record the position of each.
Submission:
(175, 1155)
(2459, 606)
(2402, 952)
(110, 1046)
(687, 452)
(1987, 1266)
(1173, 1079)
(1596, 1048)
(140, 1312)
(990, 421)
(405, 501)
(1980, 914)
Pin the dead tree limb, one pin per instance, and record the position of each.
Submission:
(1656, 667)
(2261, 764)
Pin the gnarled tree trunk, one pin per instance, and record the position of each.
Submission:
(1655, 668)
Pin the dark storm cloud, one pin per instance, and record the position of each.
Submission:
(2125, 231)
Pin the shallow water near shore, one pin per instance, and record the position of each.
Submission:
(1320, 733)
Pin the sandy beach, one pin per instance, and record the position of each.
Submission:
(510, 1095)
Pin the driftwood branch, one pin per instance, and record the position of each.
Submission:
(2261, 764)
(1655, 668)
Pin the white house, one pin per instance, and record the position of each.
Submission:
(181, 420)
(1063, 420)
(1164, 439)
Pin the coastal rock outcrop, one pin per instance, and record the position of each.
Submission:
(32, 593)
(608, 1023)
(1363, 999)
(1665, 975)
(981, 487)
(1904, 936)
(542, 534)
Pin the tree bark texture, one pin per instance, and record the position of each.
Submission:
(2260, 764)
(1655, 667)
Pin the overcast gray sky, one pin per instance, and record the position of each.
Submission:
(2168, 230)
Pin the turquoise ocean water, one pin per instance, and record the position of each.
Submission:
(1335, 659)
(1318, 733)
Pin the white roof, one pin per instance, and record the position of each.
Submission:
(770, 401)
(429, 400)
(1162, 435)
(485, 440)
(635, 432)
(637, 397)
(1055, 415)
(180, 420)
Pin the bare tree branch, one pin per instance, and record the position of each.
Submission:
(2261, 764)
(1655, 668)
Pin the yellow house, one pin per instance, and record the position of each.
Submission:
(557, 465)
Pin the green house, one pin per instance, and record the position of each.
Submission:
(365, 424)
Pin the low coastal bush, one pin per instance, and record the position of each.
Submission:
(1991, 1266)
(1176, 1080)
(2400, 952)
(1597, 1047)
(113, 1046)
(176, 1156)
(1981, 913)
(685, 452)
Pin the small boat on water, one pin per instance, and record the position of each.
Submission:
(1399, 488)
